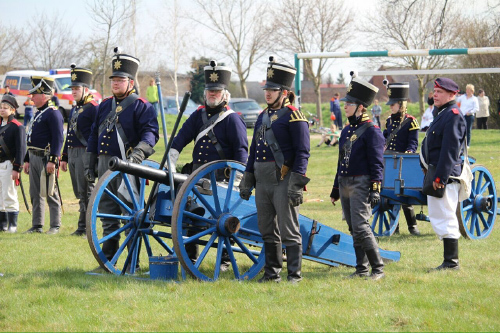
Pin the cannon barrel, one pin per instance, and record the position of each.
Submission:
(143, 171)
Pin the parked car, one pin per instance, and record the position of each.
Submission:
(248, 109)
(170, 107)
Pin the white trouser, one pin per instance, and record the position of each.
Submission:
(442, 212)
(8, 199)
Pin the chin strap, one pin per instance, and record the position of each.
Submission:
(276, 100)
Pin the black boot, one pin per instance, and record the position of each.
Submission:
(361, 263)
(450, 254)
(4, 223)
(80, 231)
(294, 263)
(110, 247)
(12, 218)
(376, 262)
(274, 263)
(411, 220)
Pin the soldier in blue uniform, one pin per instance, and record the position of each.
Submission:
(126, 126)
(12, 151)
(44, 141)
(80, 122)
(359, 174)
(401, 135)
(276, 167)
(218, 132)
(445, 143)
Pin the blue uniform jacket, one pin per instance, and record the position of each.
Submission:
(292, 134)
(47, 128)
(406, 140)
(231, 133)
(15, 140)
(83, 124)
(138, 121)
(444, 141)
(367, 154)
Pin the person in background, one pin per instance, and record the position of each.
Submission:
(278, 173)
(359, 175)
(336, 111)
(28, 110)
(401, 135)
(445, 139)
(484, 110)
(12, 151)
(7, 91)
(376, 111)
(427, 116)
(469, 105)
(152, 95)
(54, 100)
(80, 121)
(330, 137)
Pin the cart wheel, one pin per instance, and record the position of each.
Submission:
(476, 215)
(385, 218)
(127, 218)
(217, 220)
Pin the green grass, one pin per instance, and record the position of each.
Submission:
(45, 288)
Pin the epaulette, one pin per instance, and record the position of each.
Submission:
(94, 102)
(291, 107)
(455, 111)
(201, 107)
(414, 124)
(107, 98)
(142, 99)
(296, 115)
(15, 121)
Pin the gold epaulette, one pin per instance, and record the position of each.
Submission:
(414, 125)
(297, 115)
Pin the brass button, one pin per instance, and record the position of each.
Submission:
(264, 158)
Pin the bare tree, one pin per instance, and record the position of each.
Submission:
(107, 14)
(242, 26)
(313, 26)
(416, 24)
(9, 38)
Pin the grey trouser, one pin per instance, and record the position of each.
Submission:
(354, 197)
(278, 221)
(81, 187)
(106, 204)
(35, 170)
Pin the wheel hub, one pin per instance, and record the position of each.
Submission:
(482, 204)
(228, 224)
(138, 216)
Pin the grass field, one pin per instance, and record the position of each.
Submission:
(44, 286)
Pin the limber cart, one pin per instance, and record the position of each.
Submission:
(402, 185)
(203, 208)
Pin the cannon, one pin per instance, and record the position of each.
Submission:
(402, 184)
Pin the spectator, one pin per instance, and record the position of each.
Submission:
(335, 110)
(7, 91)
(330, 137)
(152, 95)
(28, 110)
(428, 115)
(469, 105)
(376, 111)
(484, 110)
(54, 100)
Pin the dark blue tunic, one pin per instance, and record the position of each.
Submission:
(83, 124)
(47, 129)
(15, 140)
(406, 139)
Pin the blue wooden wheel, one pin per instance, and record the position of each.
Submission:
(476, 215)
(221, 221)
(385, 218)
(132, 204)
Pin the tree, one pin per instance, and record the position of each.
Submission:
(313, 26)
(107, 14)
(242, 26)
(341, 79)
(416, 24)
(198, 79)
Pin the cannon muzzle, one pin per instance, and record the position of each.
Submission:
(146, 172)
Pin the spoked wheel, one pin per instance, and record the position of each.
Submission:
(219, 222)
(476, 214)
(118, 200)
(385, 218)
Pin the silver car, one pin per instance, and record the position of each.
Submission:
(170, 107)
(248, 109)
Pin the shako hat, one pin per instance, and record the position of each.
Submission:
(41, 85)
(80, 76)
(360, 92)
(279, 76)
(217, 77)
(11, 100)
(124, 65)
(398, 92)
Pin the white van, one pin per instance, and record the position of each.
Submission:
(20, 84)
